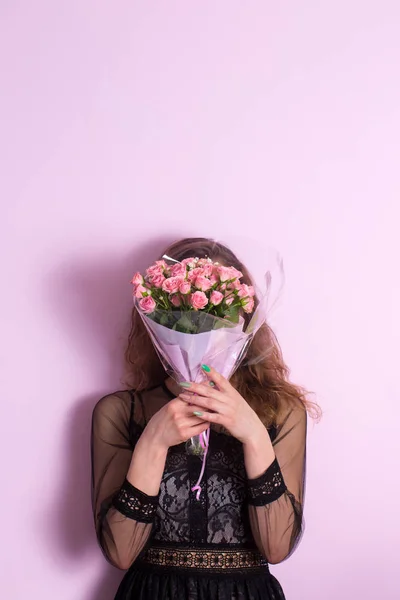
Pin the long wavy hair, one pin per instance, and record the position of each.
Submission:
(263, 378)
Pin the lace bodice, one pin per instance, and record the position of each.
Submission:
(263, 513)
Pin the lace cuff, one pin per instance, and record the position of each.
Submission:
(135, 504)
(268, 487)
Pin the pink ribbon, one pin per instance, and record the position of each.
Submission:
(204, 441)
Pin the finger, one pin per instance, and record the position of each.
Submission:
(178, 403)
(201, 403)
(198, 411)
(189, 406)
(198, 429)
(192, 420)
(213, 418)
(202, 389)
(193, 408)
(221, 382)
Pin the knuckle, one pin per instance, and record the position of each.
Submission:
(173, 408)
(181, 432)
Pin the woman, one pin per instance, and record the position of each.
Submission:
(249, 514)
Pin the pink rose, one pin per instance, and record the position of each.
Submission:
(229, 300)
(147, 305)
(185, 287)
(235, 285)
(161, 264)
(248, 305)
(175, 300)
(153, 270)
(157, 279)
(171, 285)
(202, 283)
(226, 273)
(198, 300)
(137, 279)
(189, 262)
(245, 290)
(236, 273)
(214, 279)
(139, 291)
(207, 269)
(178, 270)
(191, 276)
(216, 298)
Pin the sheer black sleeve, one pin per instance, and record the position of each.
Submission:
(123, 514)
(276, 497)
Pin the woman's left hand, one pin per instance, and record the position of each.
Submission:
(222, 404)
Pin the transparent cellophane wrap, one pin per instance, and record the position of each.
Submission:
(213, 341)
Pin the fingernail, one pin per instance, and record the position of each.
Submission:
(198, 413)
(185, 384)
(211, 383)
(206, 368)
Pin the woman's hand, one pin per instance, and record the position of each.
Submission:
(222, 404)
(173, 424)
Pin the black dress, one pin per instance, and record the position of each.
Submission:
(176, 547)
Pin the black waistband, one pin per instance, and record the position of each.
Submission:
(205, 559)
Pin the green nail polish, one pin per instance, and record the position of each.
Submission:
(206, 368)
(197, 413)
(211, 383)
(185, 384)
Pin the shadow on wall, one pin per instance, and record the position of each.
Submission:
(91, 303)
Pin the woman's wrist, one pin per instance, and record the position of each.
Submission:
(147, 465)
(259, 453)
(153, 447)
(258, 434)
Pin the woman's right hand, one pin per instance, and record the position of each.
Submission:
(173, 424)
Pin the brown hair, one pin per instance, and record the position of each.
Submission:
(263, 379)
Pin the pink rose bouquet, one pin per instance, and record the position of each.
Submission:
(192, 285)
(195, 312)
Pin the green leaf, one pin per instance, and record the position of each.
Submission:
(233, 313)
(185, 325)
(164, 319)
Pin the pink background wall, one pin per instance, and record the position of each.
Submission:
(128, 124)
